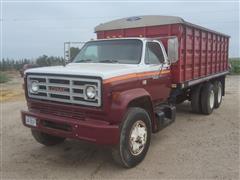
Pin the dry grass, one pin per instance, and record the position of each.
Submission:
(12, 89)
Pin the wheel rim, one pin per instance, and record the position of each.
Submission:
(138, 137)
(219, 94)
(211, 99)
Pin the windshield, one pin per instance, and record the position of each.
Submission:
(127, 51)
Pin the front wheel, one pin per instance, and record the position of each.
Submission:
(46, 139)
(134, 138)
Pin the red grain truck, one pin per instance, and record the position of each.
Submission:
(124, 86)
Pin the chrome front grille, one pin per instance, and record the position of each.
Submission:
(64, 89)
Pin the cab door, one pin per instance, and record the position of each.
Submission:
(159, 82)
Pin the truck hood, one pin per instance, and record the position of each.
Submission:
(102, 70)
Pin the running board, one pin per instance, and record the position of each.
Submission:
(165, 115)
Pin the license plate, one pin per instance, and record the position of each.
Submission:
(31, 121)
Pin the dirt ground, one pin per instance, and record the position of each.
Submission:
(194, 147)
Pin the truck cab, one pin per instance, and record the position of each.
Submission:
(91, 97)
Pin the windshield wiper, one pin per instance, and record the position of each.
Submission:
(108, 61)
(84, 60)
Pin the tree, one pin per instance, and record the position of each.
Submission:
(42, 61)
(49, 61)
(7, 64)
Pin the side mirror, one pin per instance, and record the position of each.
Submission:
(173, 50)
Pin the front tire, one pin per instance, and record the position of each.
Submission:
(46, 139)
(207, 98)
(135, 138)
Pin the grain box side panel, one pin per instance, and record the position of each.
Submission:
(202, 53)
(194, 56)
(214, 62)
(196, 51)
(218, 55)
(187, 68)
(225, 65)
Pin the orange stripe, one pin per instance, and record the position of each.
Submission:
(134, 75)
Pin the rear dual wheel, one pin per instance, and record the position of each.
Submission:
(218, 93)
(196, 99)
(207, 97)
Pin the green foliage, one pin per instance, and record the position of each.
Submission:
(3, 77)
(235, 65)
(11, 64)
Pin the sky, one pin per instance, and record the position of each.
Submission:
(31, 29)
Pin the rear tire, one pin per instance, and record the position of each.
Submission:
(218, 93)
(134, 143)
(196, 99)
(46, 139)
(207, 98)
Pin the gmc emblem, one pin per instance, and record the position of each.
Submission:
(58, 89)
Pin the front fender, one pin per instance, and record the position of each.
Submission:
(121, 100)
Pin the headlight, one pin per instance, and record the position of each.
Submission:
(91, 92)
(34, 87)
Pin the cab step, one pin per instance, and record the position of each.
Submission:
(165, 115)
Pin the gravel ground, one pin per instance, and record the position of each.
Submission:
(194, 147)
